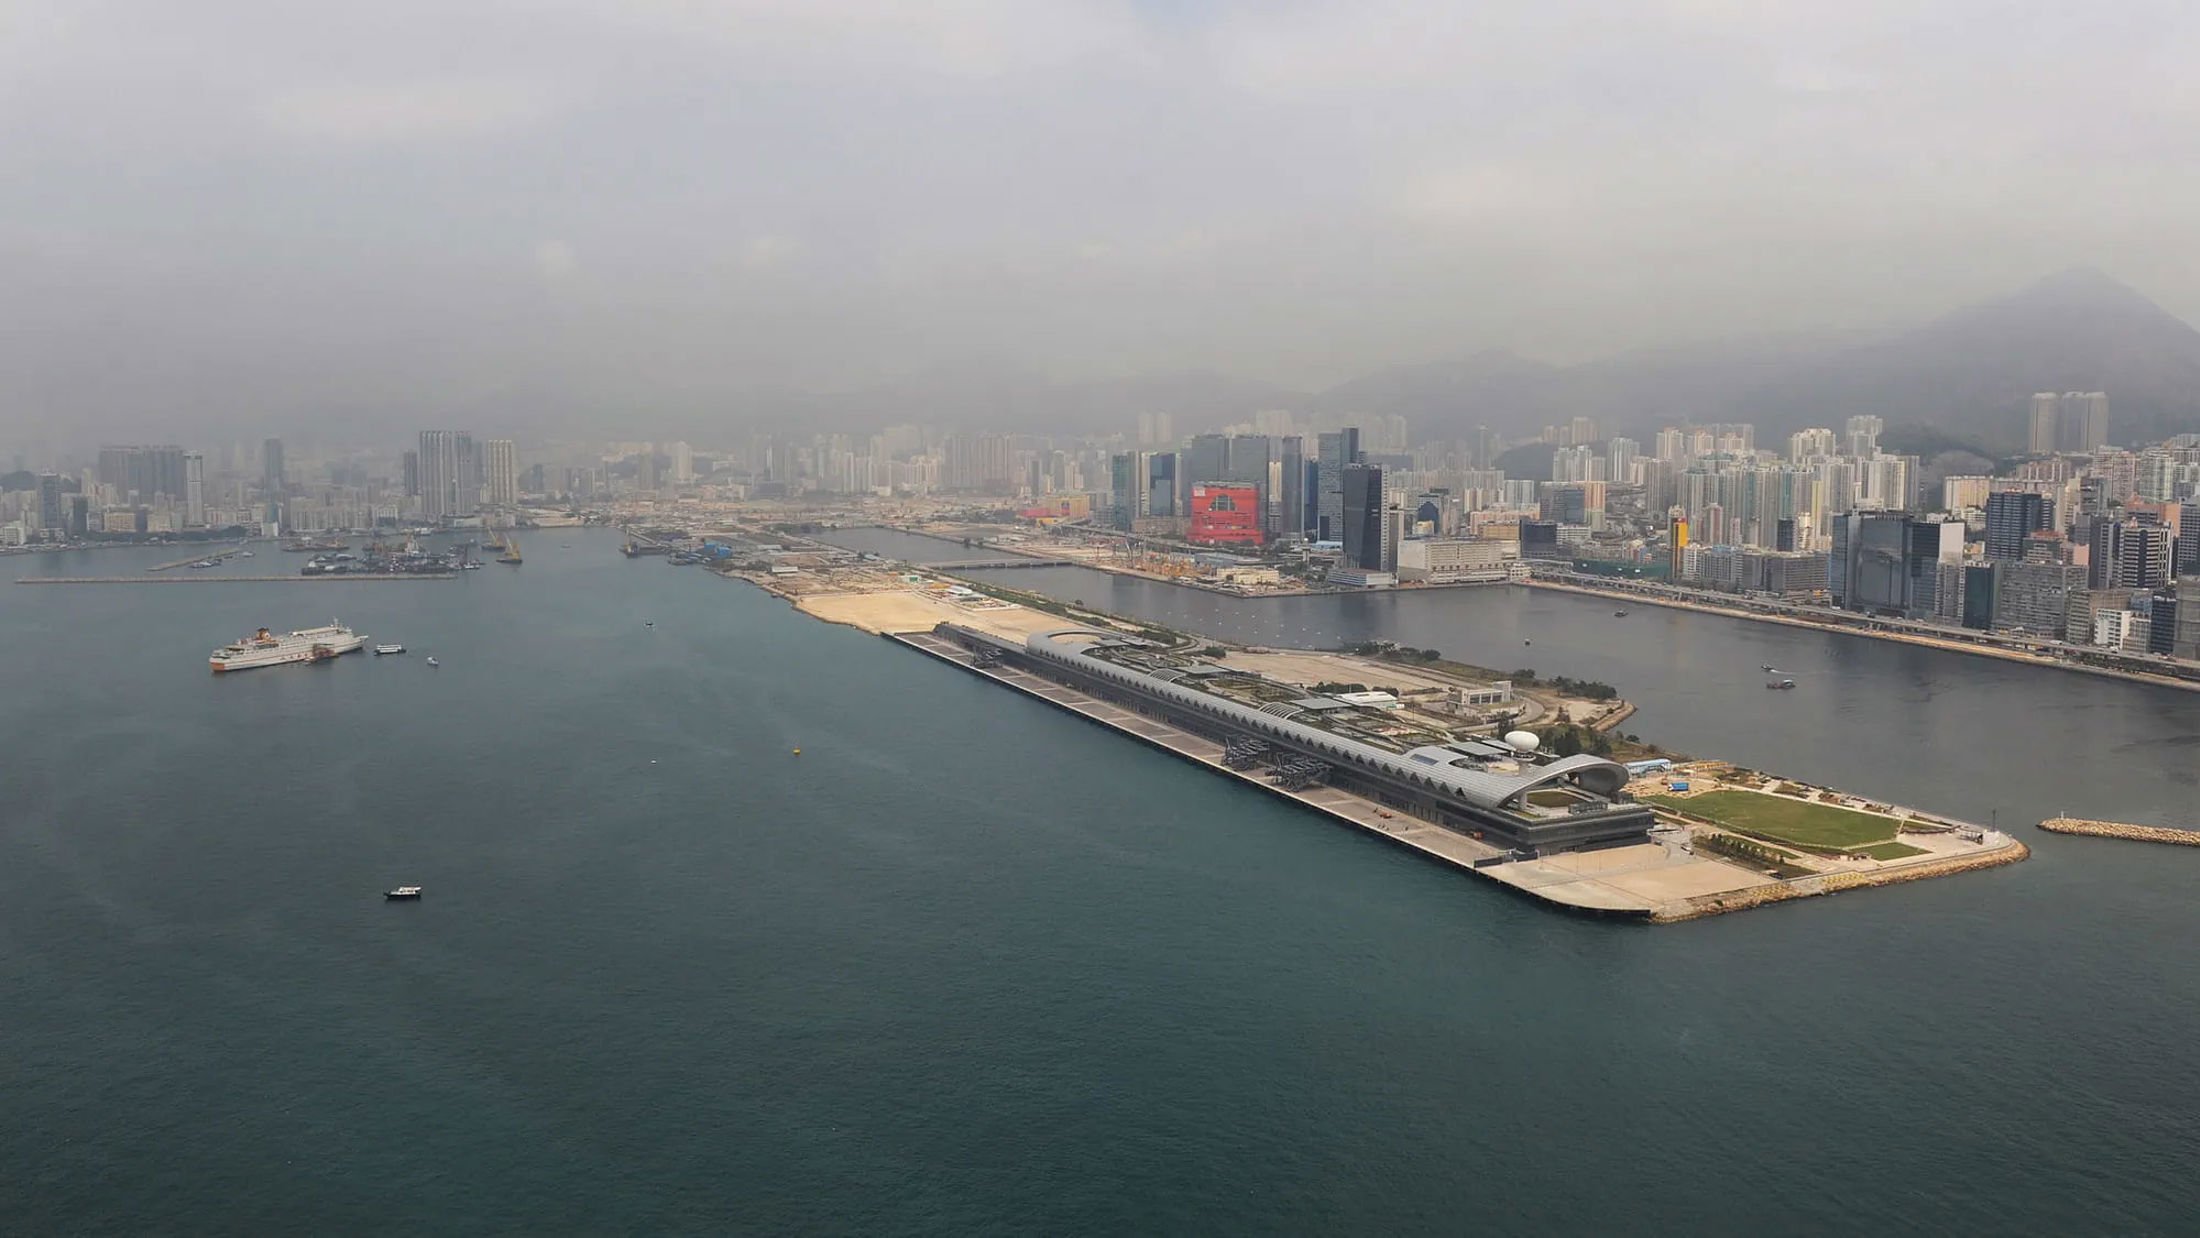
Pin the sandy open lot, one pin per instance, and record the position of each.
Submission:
(910, 610)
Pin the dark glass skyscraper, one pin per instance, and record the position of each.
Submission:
(2012, 516)
(1361, 495)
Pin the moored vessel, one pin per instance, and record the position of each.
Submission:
(265, 648)
(393, 647)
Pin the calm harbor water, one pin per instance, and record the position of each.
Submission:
(969, 964)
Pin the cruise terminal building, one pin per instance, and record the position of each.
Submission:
(1474, 786)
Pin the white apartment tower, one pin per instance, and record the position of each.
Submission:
(503, 472)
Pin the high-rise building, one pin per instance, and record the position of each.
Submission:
(271, 466)
(1161, 484)
(1127, 479)
(503, 471)
(1868, 568)
(1336, 451)
(2084, 424)
(140, 475)
(1619, 460)
(683, 464)
(2129, 554)
(412, 474)
(2035, 597)
(1291, 487)
(1571, 464)
(1930, 547)
(1809, 446)
(1981, 585)
(2188, 539)
(450, 475)
(1676, 544)
(2011, 517)
(194, 489)
(2075, 421)
(1361, 496)
(1863, 435)
(52, 513)
(2046, 415)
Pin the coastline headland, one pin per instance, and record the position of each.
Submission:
(1576, 833)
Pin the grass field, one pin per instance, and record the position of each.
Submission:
(1816, 826)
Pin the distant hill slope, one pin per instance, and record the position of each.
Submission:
(1968, 374)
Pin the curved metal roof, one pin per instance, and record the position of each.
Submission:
(1481, 787)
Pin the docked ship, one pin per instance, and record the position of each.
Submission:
(265, 648)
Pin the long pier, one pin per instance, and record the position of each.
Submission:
(229, 580)
(973, 565)
(217, 557)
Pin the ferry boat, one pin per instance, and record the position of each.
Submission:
(403, 894)
(379, 650)
(265, 648)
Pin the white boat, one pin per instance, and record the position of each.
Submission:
(433, 662)
(265, 648)
(382, 649)
(403, 894)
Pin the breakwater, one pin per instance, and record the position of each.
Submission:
(2124, 830)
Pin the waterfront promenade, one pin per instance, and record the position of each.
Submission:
(1983, 649)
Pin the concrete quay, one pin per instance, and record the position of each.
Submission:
(2124, 830)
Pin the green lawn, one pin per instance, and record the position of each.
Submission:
(1891, 851)
(1817, 826)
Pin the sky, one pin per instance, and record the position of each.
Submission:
(260, 210)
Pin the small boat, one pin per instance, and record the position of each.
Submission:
(433, 662)
(403, 894)
(1769, 669)
(382, 649)
(1780, 684)
(244, 554)
(1619, 614)
(649, 623)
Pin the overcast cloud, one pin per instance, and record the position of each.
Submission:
(275, 210)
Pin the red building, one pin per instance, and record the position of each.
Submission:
(1226, 515)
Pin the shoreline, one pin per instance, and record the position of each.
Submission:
(1919, 640)
(1904, 638)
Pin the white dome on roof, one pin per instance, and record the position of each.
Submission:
(1522, 741)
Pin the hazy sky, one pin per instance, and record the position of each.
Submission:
(284, 209)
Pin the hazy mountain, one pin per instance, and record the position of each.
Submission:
(1970, 373)
(1967, 375)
